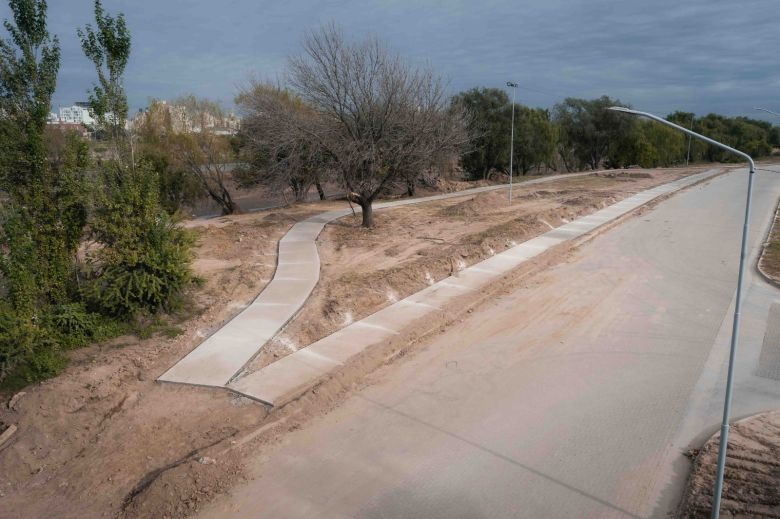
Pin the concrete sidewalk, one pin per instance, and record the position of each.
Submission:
(218, 359)
(290, 376)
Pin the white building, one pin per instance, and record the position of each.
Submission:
(79, 113)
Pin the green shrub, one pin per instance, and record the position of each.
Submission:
(28, 351)
(142, 264)
(74, 326)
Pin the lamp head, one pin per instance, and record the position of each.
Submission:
(622, 109)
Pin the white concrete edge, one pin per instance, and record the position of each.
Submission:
(639, 200)
(313, 226)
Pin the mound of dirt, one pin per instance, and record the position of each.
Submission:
(625, 174)
(480, 204)
(752, 480)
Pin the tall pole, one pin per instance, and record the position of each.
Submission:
(513, 86)
(724, 426)
(688, 157)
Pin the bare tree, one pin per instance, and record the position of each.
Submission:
(202, 151)
(276, 129)
(380, 121)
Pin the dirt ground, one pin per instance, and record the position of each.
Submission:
(364, 270)
(752, 478)
(103, 439)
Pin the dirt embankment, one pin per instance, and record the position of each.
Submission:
(364, 270)
(752, 478)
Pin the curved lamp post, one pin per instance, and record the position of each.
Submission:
(767, 111)
(724, 427)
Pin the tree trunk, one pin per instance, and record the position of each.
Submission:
(229, 206)
(368, 212)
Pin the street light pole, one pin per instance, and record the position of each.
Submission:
(513, 86)
(724, 427)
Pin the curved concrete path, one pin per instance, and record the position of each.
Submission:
(218, 359)
(290, 376)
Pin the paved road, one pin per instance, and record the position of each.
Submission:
(573, 396)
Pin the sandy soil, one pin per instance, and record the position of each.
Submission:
(364, 270)
(103, 439)
(752, 479)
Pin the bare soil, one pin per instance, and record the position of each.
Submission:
(103, 439)
(752, 479)
(364, 270)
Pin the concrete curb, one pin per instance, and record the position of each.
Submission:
(769, 279)
(290, 376)
(224, 354)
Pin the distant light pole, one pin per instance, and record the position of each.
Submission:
(724, 427)
(513, 86)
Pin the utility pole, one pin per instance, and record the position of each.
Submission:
(513, 86)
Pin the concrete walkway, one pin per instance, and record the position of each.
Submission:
(218, 359)
(290, 376)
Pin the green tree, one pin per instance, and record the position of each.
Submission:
(490, 111)
(154, 140)
(42, 222)
(107, 46)
(143, 260)
(535, 139)
(589, 131)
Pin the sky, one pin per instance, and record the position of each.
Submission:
(659, 55)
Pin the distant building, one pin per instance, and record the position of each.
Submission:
(175, 117)
(79, 113)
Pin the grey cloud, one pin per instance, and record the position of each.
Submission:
(697, 55)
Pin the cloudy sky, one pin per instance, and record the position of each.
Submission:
(660, 55)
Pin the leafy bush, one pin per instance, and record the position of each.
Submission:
(27, 350)
(142, 263)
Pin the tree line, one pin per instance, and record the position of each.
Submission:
(87, 249)
(581, 134)
(355, 115)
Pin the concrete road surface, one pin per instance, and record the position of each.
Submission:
(574, 396)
